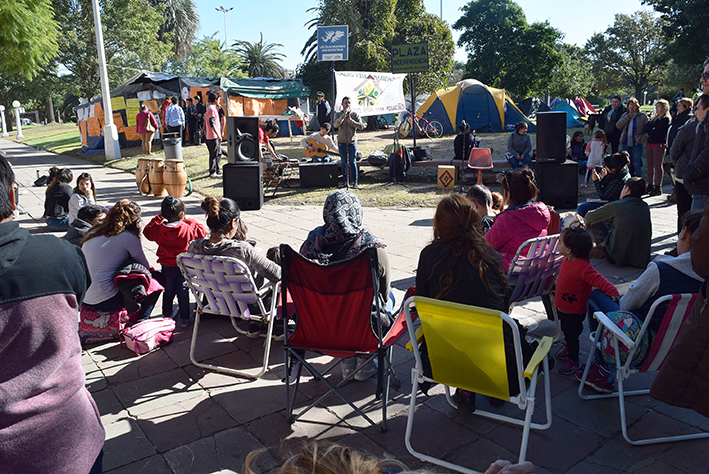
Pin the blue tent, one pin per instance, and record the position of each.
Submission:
(572, 115)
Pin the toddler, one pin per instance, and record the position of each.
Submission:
(84, 193)
(594, 152)
(173, 232)
(573, 286)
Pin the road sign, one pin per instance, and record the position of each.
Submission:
(332, 43)
(409, 57)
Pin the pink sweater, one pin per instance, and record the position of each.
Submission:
(512, 228)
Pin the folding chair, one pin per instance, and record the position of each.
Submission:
(533, 273)
(480, 159)
(275, 171)
(466, 350)
(229, 287)
(332, 308)
(678, 309)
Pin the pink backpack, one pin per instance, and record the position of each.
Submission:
(148, 334)
(96, 326)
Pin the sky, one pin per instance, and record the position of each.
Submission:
(282, 21)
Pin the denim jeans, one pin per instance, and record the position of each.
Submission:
(698, 201)
(174, 286)
(516, 164)
(348, 153)
(56, 225)
(583, 208)
(636, 159)
(599, 301)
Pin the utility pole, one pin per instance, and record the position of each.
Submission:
(225, 11)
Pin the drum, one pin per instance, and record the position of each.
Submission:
(155, 176)
(140, 172)
(175, 177)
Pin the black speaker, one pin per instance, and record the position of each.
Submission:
(244, 184)
(551, 136)
(242, 140)
(558, 184)
(318, 175)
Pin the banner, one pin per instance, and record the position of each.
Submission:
(371, 93)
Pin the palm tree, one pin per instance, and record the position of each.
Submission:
(180, 18)
(259, 58)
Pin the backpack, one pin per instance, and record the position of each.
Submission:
(148, 334)
(630, 324)
(399, 162)
(99, 326)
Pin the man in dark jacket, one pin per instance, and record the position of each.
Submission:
(696, 174)
(324, 111)
(87, 217)
(608, 120)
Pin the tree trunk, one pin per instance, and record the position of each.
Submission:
(50, 109)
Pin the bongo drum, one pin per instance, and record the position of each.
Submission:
(175, 177)
(140, 172)
(155, 176)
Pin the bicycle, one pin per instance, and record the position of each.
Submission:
(432, 129)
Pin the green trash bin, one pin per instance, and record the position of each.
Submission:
(173, 146)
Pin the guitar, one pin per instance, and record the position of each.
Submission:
(320, 150)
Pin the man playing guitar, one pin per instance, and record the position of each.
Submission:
(319, 145)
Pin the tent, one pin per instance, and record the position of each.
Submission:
(267, 98)
(573, 118)
(531, 106)
(485, 108)
(584, 107)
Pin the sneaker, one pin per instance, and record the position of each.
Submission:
(464, 400)
(596, 379)
(256, 329)
(355, 186)
(563, 354)
(294, 371)
(655, 191)
(348, 366)
(214, 175)
(185, 323)
(366, 372)
(672, 197)
(569, 368)
(278, 333)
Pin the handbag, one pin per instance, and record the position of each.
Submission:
(148, 334)
(149, 124)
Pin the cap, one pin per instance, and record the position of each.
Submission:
(320, 94)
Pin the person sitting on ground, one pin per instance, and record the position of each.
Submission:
(519, 147)
(573, 286)
(227, 238)
(87, 217)
(609, 182)
(324, 140)
(173, 232)
(481, 198)
(523, 219)
(343, 237)
(56, 201)
(84, 193)
(577, 151)
(460, 266)
(463, 142)
(628, 238)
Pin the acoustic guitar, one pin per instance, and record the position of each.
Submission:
(319, 150)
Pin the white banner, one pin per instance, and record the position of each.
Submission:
(371, 93)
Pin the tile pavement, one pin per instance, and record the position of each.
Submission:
(163, 415)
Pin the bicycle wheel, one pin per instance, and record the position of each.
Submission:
(383, 123)
(434, 129)
(404, 128)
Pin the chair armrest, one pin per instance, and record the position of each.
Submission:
(419, 338)
(542, 351)
(614, 329)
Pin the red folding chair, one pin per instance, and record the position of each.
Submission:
(332, 308)
(480, 159)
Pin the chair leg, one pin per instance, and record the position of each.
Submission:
(480, 177)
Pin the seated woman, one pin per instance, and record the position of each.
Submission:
(609, 182)
(577, 150)
(343, 237)
(459, 266)
(109, 247)
(463, 142)
(523, 219)
(228, 238)
(56, 201)
(519, 147)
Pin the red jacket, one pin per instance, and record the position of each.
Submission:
(574, 284)
(173, 239)
(512, 228)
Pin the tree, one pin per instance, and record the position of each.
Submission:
(503, 50)
(181, 19)
(260, 59)
(28, 36)
(572, 77)
(631, 52)
(209, 58)
(684, 23)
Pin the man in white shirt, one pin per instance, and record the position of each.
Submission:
(174, 118)
(323, 138)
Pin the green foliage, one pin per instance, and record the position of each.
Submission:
(209, 58)
(260, 59)
(631, 52)
(572, 77)
(180, 18)
(503, 50)
(685, 28)
(28, 36)
(130, 32)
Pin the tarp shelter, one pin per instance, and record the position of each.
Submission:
(584, 107)
(531, 106)
(572, 115)
(268, 98)
(484, 108)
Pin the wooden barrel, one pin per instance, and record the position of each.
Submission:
(175, 177)
(140, 172)
(155, 176)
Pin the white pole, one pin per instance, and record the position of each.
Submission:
(18, 121)
(110, 132)
(441, 10)
(2, 119)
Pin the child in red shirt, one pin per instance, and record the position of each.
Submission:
(573, 286)
(173, 232)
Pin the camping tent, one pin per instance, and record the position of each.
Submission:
(531, 106)
(486, 109)
(572, 115)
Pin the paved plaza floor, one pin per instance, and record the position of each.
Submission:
(164, 415)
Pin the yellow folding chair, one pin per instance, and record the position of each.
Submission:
(466, 350)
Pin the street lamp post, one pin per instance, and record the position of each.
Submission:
(16, 105)
(225, 11)
(2, 119)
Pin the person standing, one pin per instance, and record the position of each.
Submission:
(198, 112)
(348, 122)
(324, 111)
(608, 120)
(696, 174)
(680, 154)
(174, 118)
(191, 120)
(141, 122)
(50, 422)
(213, 133)
(657, 129)
(632, 123)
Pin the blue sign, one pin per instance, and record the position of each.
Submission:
(332, 43)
